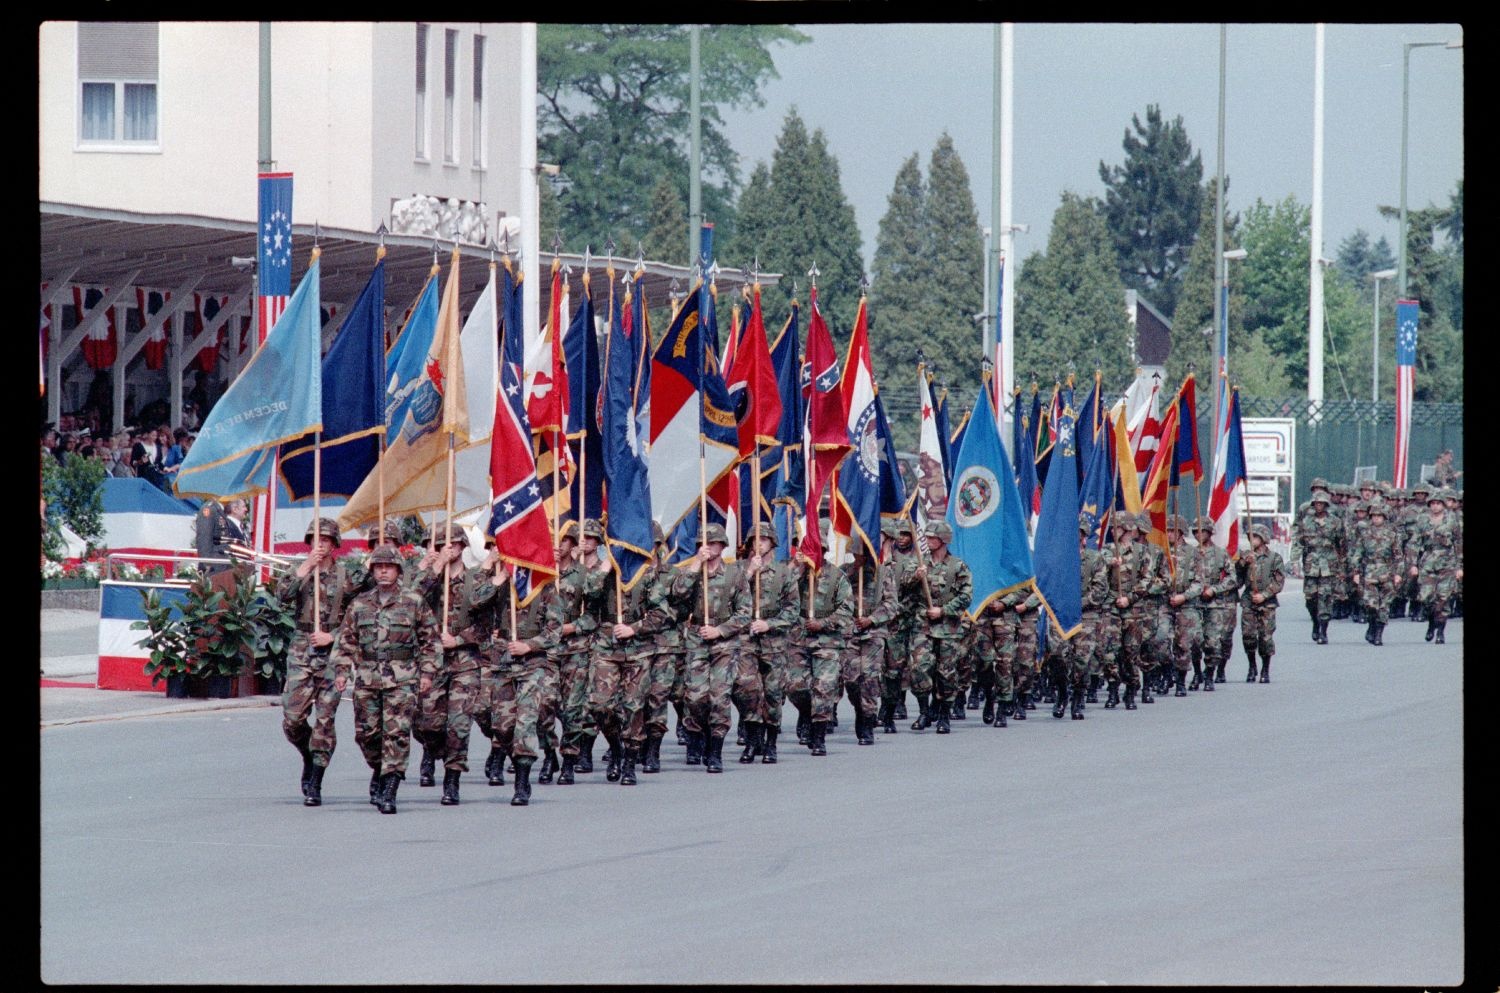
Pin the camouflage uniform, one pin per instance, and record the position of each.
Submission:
(388, 638)
(617, 692)
(1127, 564)
(1218, 583)
(664, 680)
(522, 683)
(937, 643)
(814, 670)
(1355, 522)
(1376, 560)
(308, 689)
(901, 632)
(1151, 623)
(1186, 619)
(574, 656)
(446, 712)
(1085, 646)
(1434, 553)
(1321, 540)
(1260, 572)
(711, 665)
(766, 656)
(1005, 645)
(874, 587)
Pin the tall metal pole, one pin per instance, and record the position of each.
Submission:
(1007, 370)
(695, 133)
(530, 208)
(1375, 347)
(992, 246)
(1221, 264)
(1401, 231)
(1315, 264)
(265, 96)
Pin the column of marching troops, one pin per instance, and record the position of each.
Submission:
(709, 637)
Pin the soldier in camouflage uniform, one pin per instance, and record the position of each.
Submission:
(764, 649)
(525, 674)
(1128, 565)
(1262, 575)
(1435, 563)
(901, 558)
(874, 588)
(575, 585)
(309, 665)
(1155, 658)
(1456, 509)
(825, 612)
(1407, 521)
(1218, 586)
(1184, 592)
(445, 715)
(712, 644)
(665, 679)
(617, 692)
(1005, 643)
(1356, 519)
(942, 629)
(1321, 539)
(1084, 647)
(388, 639)
(636, 650)
(1375, 561)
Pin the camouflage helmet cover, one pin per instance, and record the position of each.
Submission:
(714, 534)
(387, 555)
(938, 529)
(324, 527)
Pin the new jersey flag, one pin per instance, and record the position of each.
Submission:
(278, 398)
(1056, 554)
(989, 523)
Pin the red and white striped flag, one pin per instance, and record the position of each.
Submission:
(274, 289)
(1406, 370)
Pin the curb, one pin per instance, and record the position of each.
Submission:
(205, 707)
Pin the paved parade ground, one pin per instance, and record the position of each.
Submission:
(1309, 831)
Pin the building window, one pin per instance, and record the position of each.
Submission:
(479, 130)
(117, 77)
(450, 80)
(421, 91)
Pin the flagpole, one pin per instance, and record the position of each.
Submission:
(448, 527)
(317, 532)
(755, 515)
(380, 460)
(512, 602)
(556, 495)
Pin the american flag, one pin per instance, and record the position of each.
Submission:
(274, 289)
(1406, 367)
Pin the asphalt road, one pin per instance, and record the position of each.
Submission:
(1309, 831)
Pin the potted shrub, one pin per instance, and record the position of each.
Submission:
(214, 637)
(274, 626)
(168, 644)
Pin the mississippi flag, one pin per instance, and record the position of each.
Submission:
(518, 519)
(1406, 369)
(1224, 500)
(825, 438)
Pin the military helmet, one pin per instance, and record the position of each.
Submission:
(325, 527)
(1375, 505)
(1368, 484)
(1204, 523)
(387, 555)
(904, 526)
(765, 529)
(1085, 525)
(1319, 483)
(713, 534)
(1139, 522)
(1319, 497)
(593, 529)
(1262, 532)
(569, 530)
(391, 531)
(452, 534)
(887, 527)
(938, 529)
(1420, 487)
(1177, 523)
(1440, 493)
(1359, 506)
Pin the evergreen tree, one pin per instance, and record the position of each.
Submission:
(1151, 204)
(1192, 321)
(1070, 302)
(666, 237)
(755, 221)
(1358, 258)
(549, 216)
(956, 249)
(901, 284)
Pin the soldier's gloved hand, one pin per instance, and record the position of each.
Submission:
(424, 684)
(624, 631)
(448, 640)
(321, 639)
(863, 623)
(760, 627)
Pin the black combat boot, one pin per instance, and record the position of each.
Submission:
(1078, 707)
(740, 736)
(428, 767)
(1003, 709)
(942, 718)
(1323, 631)
(974, 695)
(1415, 612)
(713, 755)
(1219, 675)
(888, 716)
(1208, 676)
(1265, 668)
(1431, 628)
(1379, 638)
(1181, 679)
(1022, 705)
(1370, 632)
(768, 749)
(865, 734)
(901, 706)
(565, 774)
(695, 748)
(450, 787)
(1438, 639)
(307, 765)
(549, 765)
(1129, 697)
(387, 804)
(804, 727)
(651, 759)
(616, 754)
(682, 734)
(1060, 707)
(1092, 696)
(627, 766)
(958, 712)
(1197, 674)
(1146, 696)
(1398, 608)
(1114, 695)
(1250, 676)
(314, 797)
(817, 739)
(989, 705)
(494, 766)
(585, 760)
(522, 796)
(377, 785)
(924, 717)
(752, 744)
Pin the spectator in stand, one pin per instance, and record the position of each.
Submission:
(118, 463)
(190, 416)
(49, 441)
(145, 459)
(175, 454)
(66, 444)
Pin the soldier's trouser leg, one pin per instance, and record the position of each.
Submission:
(1023, 669)
(502, 717)
(826, 684)
(867, 680)
(893, 668)
(432, 714)
(1318, 591)
(484, 702)
(551, 705)
(1376, 597)
(631, 702)
(696, 701)
(922, 660)
(658, 691)
(383, 726)
(722, 664)
(309, 704)
(604, 696)
(748, 689)
(1132, 647)
(772, 661)
(945, 653)
(463, 692)
(298, 695)
(1434, 590)
(529, 687)
(577, 721)
(963, 676)
(1188, 637)
(1000, 653)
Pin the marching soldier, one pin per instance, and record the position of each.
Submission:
(1184, 592)
(1262, 575)
(764, 649)
(1150, 611)
(446, 713)
(875, 592)
(1355, 522)
(525, 677)
(1321, 538)
(1218, 584)
(574, 651)
(1376, 564)
(901, 557)
(1435, 563)
(1128, 565)
(826, 616)
(1407, 523)
(665, 680)
(711, 633)
(946, 584)
(309, 702)
(1085, 645)
(388, 639)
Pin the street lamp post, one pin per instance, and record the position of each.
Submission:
(1405, 107)
(1375, 335)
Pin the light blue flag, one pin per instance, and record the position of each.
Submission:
(984, 509)
(278, 398)
(404, 368)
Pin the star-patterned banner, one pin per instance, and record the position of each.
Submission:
(1406, 368)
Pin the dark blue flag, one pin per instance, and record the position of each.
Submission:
(581, 354)
(1056, 557)
(628, 526)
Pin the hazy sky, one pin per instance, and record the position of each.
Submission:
(881, 92)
